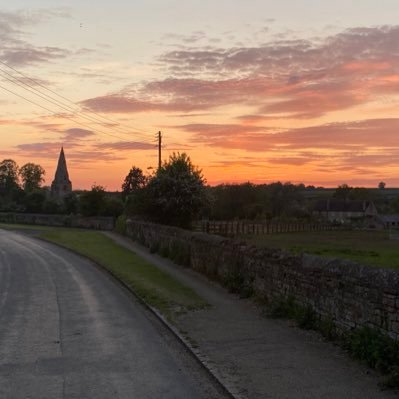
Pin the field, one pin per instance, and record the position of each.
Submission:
(367, 247)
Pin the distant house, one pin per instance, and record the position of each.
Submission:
(337, 210)
(390, 221)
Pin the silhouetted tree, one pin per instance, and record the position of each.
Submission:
(92, 203)
(381, 185)
(250, 201)
(175, 194)
(32, 176)
(360, 193)
(342, 191)
(395, 205)
(51, 206)
(8, 176)
(71, 203)
(34, 201)
(231, 201)
(112, 207)
(135, 180)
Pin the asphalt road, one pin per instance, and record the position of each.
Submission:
(67, 330)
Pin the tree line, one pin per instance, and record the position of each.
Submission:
(20, 187)
(176, 194)
(22, 190)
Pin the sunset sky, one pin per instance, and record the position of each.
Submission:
(300, 91)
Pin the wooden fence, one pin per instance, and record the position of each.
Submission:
(235, 228)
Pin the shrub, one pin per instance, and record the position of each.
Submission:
(369, 345)
(373, 347)
(120, 225)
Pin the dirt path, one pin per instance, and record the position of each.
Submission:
(261, 357)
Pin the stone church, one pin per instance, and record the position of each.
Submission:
(61, 185)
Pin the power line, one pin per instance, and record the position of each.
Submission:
(55, 102)
(45, 97)
(37, 83)
(49, 99)
(63, 116)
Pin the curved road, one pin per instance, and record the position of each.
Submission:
(67, 330)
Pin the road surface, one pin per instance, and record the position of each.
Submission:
(67, 330)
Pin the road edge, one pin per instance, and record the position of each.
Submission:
(195, 354)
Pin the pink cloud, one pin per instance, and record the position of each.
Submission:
(75, 153)
(284, 78)
(40, 149)
(77, 133)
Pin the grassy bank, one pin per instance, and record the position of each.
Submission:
(369, 345)
(154, 286)
(372, 248)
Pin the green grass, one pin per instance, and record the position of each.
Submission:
(366, 344)
(154, 286)
(372, 248)
(26, 227)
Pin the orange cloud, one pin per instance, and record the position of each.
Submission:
(284, 79)
(378, 133)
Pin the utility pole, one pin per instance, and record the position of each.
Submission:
(159, 150)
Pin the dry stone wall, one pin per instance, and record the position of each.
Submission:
(97, 222)
(350, 294)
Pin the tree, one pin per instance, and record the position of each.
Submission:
(92, 202)
(381, 185)
(361, 193)
(135, 180)
(229, 201)
(51, 206)
(112, 207)
(343, 191)
(395, 205)
(8, 176)
(175, 194)
(32, 176)
(71, 203)
(34, 201)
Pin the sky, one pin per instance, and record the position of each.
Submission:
(302, 91)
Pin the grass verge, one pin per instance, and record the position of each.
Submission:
(372, 248)
(369, 345)
(156, 287)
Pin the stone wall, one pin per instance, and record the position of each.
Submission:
(350, 294)
(97, 222)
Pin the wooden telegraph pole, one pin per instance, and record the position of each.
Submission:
(159, 150)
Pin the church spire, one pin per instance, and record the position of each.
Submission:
(62, 170)
(61, 185)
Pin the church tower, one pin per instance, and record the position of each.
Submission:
(61, 185)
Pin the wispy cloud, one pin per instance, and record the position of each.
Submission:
(76, 153)
(375, 133)
(44, 149)
(293, 79)
(16, 47)
(77, 133)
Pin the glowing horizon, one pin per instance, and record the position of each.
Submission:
(250, 93)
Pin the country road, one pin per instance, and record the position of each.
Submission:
(67, 330)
